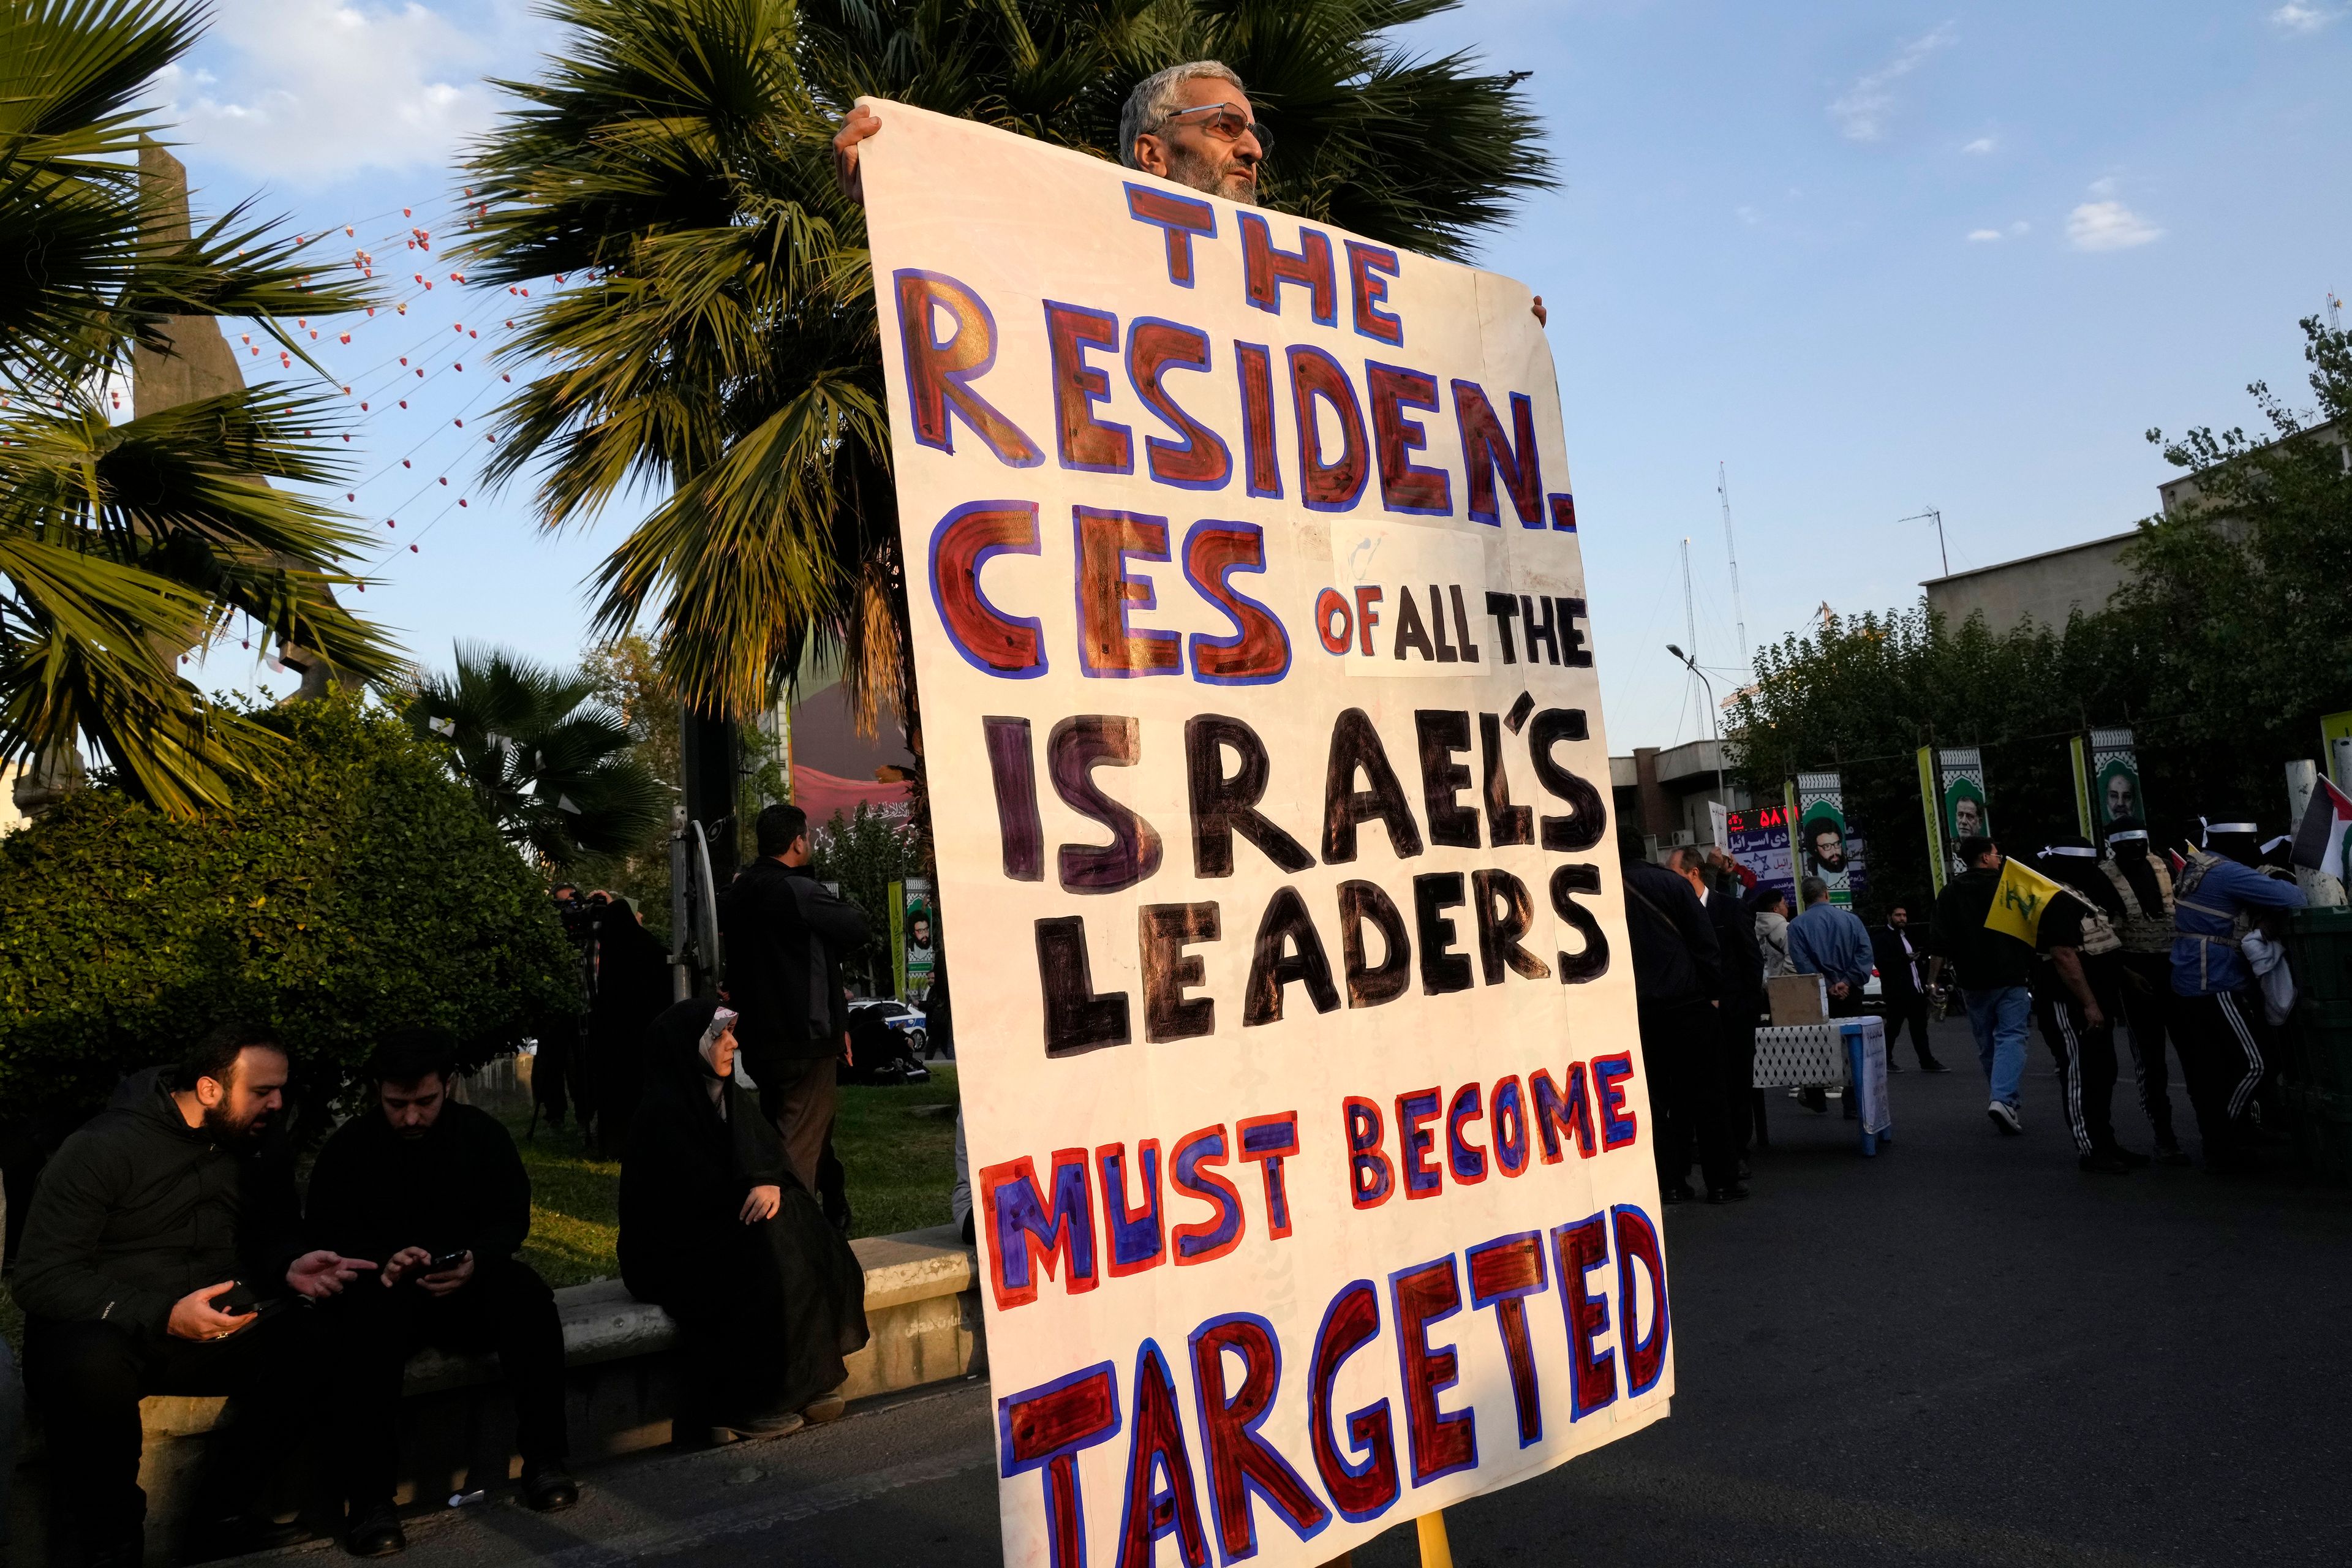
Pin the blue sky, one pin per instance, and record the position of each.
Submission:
(1872, 258)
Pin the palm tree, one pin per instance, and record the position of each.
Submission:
(123, 544)
(722, 347)
(549, 765)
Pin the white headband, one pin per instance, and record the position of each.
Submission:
(2123, 833)
(2213, 827)
(2274, 844)
(2085, 853)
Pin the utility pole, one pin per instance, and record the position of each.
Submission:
(1690, 624)
(1738, 615)
(1939, 517)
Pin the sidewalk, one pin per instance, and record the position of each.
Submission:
(1962, 1351)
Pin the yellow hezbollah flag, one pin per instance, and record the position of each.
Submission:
(2018, 902)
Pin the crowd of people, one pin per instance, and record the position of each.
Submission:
(2180, 946)
(171, 1249)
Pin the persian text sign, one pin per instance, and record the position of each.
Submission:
(1310, 1132)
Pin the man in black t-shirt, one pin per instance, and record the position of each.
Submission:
(2074, 998)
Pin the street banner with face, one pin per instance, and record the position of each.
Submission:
(1952, 790)
(1309, 1123)
(2108, 765)
(1826, 846)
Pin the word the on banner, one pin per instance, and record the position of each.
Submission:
(1308, 1125)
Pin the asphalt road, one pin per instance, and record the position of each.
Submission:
(1962, 1351)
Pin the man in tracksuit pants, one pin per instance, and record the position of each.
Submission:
(2144, 887)
(2213, 900)
(2075, 986)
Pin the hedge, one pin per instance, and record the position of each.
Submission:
(357, 889)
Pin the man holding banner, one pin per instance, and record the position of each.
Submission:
(1262, 722)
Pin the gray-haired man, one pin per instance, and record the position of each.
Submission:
(1190, 123)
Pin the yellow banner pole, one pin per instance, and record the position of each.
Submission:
(1931, 800)
(2083, 788)
(1434, 1551)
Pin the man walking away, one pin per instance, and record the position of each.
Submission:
(1903, 989)
(161, 1258)
(1992, 973)
(783, 936)
(2075, 980)
(2144, 886)
(412, 1183)
(1743, 991)
(1677, 973)
(2213, 903)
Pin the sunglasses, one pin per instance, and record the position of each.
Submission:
(1225, 123)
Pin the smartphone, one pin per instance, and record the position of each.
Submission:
(445, 1261)
(237, 1301)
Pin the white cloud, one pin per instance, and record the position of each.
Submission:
(1980, 146)
(1984, 236)
(1748, 215)
(1862, 111)
(2108, 225)
(309, 90)
(2296, 17)
(2103, 188)
(2019, 227)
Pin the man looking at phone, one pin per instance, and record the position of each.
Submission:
(436, 1195)
(160, 1256)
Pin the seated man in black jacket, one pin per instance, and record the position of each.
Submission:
(160, 1256)
(436, 1195)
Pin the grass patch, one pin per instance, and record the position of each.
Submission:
(900, 1166)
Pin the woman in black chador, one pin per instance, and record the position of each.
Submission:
(767, 1296)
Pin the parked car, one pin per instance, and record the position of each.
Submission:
(899, 1017)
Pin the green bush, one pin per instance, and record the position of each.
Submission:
(355, 889)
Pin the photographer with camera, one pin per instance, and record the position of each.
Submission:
(434, 1192)
(160, 1256)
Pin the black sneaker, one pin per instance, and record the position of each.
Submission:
(1676, 1193)
(1734, 1194)
(2172, 1155)
(2131, 1157)
(376, 1533)
(1894, 1066)
(547, 1489)
(2103, 1163)
(1933, 1066)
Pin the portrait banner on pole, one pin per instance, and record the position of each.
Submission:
(1308, 1124)
(1827, 845)
(2111, 780)
(1952, 790)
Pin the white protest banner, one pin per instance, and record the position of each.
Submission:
(1309, 1126)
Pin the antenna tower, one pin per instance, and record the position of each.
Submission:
(1690, 621)
(1738, 615)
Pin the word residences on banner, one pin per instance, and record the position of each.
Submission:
(1308, 1125)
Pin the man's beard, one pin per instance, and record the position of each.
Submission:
(228, 1132)
(1227, 181)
